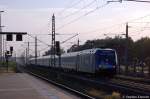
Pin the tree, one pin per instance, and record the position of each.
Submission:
(142, 48)
(49, 52)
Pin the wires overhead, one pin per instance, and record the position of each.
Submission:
(44, 49)
(140, 1)
(87, 13)
(70, 6)
(89, 4)
(144, 1)
(69, 38)
(39, 40)
(136, 20)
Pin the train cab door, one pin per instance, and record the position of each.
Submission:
(77, 63)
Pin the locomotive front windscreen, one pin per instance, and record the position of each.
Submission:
(107, 57)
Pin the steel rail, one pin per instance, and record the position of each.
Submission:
(113, 86)
(59, 85)
(124, 88)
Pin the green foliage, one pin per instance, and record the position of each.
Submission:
(11, 66)
(50, 52)
(142, 48)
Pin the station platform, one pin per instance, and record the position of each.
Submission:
(25, 86)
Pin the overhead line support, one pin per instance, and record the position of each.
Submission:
(53, 49)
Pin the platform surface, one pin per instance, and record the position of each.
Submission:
(25, 86)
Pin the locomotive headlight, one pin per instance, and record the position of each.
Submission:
(100, 66)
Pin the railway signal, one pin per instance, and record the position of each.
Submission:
(11, 49)
(57, 47)
(7, 55)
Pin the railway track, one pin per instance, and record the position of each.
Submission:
(133, 79)
(140, 86)
(135, 88)
(124, 87)
(80, 94)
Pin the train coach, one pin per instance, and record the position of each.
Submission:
(93, 61)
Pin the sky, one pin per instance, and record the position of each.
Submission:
(73, 17)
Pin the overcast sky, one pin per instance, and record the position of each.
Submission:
(34, 17)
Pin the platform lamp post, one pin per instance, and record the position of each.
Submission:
(1, 41)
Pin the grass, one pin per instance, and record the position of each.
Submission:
(96, 93)
(115, 95)
(11, 67)
(101, 94)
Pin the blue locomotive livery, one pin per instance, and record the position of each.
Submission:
(93, 61)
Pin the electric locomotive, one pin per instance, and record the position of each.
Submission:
(93, 61)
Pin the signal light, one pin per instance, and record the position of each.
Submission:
(57, 47)
(7, 52)
(11, 49)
